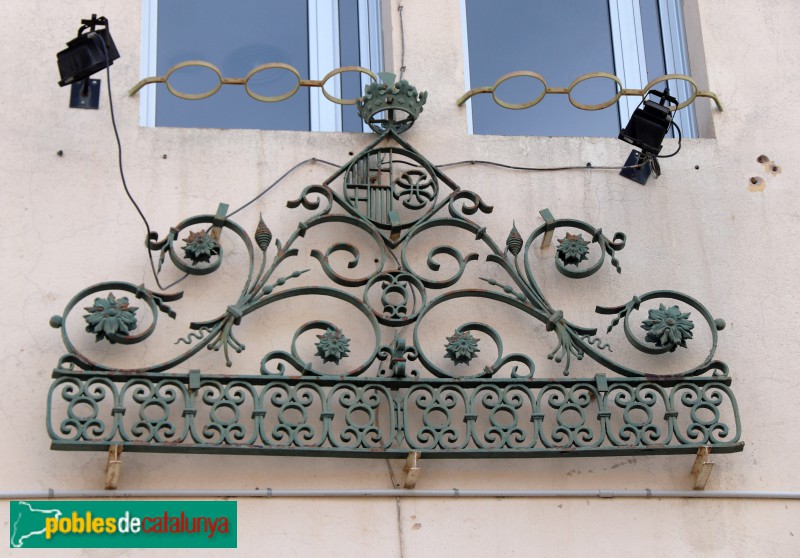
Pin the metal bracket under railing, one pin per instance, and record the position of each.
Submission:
(701, 470)
(113, 467)
(412, 470)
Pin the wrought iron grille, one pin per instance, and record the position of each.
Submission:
(401, 397)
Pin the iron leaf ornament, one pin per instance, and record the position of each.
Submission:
(514, 241)
(263, 235)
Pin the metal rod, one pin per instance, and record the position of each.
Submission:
(53, 494)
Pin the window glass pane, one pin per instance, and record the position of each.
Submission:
(236, 37)
(350, 55)
(557, 39)
(654, 46)
(653, 43)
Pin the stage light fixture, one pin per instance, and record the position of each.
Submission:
(91, 51)
(648, 126)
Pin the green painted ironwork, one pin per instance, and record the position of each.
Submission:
(398, 398)
(109, 318)
(391, 106)
(381, 417)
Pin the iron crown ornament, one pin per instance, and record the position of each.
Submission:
(420, 368)
(389, 105)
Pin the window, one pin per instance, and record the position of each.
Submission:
(313, 36)
(637, 40)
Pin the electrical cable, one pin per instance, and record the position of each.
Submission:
(536, 169)
(680, 140)
(284, 175)
(402, 43)
(125, 182)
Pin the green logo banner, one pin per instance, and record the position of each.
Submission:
(122, 524)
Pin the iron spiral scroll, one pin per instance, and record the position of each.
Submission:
(398, 396)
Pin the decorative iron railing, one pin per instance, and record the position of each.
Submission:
(260, 71)
(399, 396)
(621, 91)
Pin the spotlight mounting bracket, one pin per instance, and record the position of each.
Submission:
(85, 94)
(639, 166)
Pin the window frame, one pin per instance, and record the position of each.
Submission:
(629, 58)
(324, 56)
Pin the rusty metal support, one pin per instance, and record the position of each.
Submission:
(219, 221)
(113, 467)
(412, 470)
(550, 221)
(701, 470)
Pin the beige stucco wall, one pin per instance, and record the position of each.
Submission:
(67, 224)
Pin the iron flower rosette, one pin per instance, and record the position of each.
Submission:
(572, 249)
(200, 246)
(668, 327)
(332, 346)
(461, 347)
(110, 317)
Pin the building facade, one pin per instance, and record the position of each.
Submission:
(709, 226)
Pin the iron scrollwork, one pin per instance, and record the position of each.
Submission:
(471, 398)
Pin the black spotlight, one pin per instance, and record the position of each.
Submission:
(91, 51)
(646, 129)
